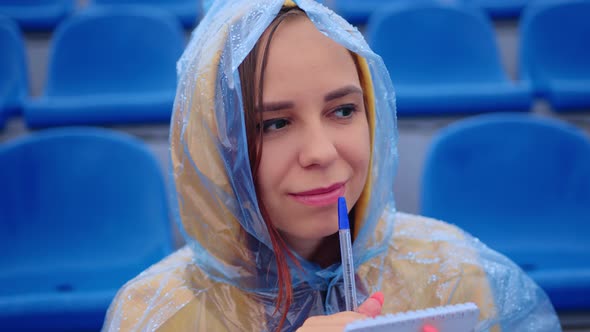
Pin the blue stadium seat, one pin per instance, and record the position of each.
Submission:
(81, 212)
(358, 12)
(443, 59)
(355, 11)
(502, 8)
(110, 66)
(522, 185)
(14, 86)
(555, 56)
(37, 14)
(187, 11)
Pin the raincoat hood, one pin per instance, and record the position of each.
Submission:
(225, 278)
(217, 204)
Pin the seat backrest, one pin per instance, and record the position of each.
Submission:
(24, 3)
(37, 14)
(357, 11)
(146, 2)
(80, 199)
(554, 41)
(14, 85)
(187, 11)
(108, 50)
(518, 182)
(502, 8)
(424, 42)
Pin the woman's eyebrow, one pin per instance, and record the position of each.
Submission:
(338, 93)
(341, 92)
(276, 106)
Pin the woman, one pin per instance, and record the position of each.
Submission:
(281, 108)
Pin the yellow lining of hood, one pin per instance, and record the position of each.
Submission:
(369, 96)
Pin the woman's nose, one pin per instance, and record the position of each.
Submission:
(316, 147)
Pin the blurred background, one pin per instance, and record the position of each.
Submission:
(493, 102)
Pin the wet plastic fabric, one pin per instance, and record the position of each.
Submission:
(225, 278)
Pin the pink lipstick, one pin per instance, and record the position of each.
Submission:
(320, 196)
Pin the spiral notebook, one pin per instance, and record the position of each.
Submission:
(451, 318)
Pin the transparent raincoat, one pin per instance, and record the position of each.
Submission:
(225, 278)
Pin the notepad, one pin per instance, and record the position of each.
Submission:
(451, 318)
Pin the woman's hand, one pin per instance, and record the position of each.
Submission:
(337, 322)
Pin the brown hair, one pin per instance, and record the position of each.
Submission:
(252, 85)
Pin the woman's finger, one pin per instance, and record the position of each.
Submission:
(372, 306)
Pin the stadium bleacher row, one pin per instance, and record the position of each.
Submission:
(113, 63)
(446, 63)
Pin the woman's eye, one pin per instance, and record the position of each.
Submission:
(274, 124)
(344, 111)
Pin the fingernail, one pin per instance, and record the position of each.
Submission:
(429, 328)
(379, 297)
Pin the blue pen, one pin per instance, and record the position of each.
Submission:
(346, 254)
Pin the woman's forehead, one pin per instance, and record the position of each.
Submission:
(298, 50)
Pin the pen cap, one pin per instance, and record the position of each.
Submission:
(342, 214)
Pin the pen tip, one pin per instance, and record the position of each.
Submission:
(342, 214)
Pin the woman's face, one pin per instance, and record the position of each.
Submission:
(316, 144)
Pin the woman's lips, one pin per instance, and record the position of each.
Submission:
(320, 196)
